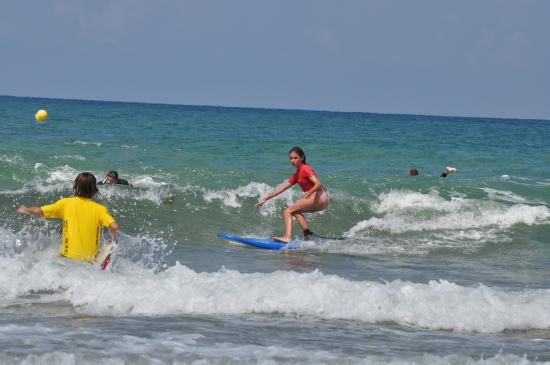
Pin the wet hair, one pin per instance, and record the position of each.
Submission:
(413, 171)
(85, 185)
(113, 174)
(299, 151)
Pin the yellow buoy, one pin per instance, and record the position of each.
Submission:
(41, 115)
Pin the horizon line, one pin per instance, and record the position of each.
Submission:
(273, 108)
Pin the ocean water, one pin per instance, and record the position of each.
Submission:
(421, 270)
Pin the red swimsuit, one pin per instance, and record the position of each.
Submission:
(302, 175)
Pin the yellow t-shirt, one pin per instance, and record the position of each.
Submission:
(82, 221)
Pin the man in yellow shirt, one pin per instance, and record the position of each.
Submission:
(82, 219)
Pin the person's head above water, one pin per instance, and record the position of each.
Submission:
(413, 171)
(85, 185)
(112, 177)
(296, 156)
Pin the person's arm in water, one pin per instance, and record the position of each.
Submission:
(37, 211)
(113, 229)
(448, 170)
(317, 186)
(273, 194)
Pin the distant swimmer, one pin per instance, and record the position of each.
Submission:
(414, 171)
(112, 179)
(448, 170)
(315, 197)
(82, 219)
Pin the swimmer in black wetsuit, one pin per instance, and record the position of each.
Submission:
(112, 179)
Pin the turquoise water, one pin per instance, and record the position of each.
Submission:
(429, 270)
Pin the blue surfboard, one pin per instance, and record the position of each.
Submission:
(264, 243)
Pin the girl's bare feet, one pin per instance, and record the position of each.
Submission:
(282, 239)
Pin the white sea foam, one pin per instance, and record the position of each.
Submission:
(504, 195)
(71, 157)
(12, 160)
(48, 180)
(128, 193)
(54, 179)
(61, 174)
(135, 291)
(146, 181)
(230, 354)
(415, 223)
(436, 305)
(9, 242)
(156, 189)
(232, 198)
(144, 188)
(407, 211)
(97, 144)
(60, 179)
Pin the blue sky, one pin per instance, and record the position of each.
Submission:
(465, 58)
